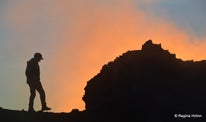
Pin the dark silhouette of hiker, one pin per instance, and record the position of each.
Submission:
(33, 80)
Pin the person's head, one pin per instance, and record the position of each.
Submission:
(38, 56)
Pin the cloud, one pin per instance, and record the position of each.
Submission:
(100, 33)
(85, 35)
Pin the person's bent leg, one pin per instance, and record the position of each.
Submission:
(42, 96)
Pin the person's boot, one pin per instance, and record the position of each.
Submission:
(31, 109)
(45, 108)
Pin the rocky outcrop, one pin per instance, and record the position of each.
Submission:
(151, 82)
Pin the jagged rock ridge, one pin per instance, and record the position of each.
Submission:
(148, 81)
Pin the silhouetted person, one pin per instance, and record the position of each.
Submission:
(33, 80)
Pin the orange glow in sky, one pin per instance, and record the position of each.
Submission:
(85, 35)
(99, 35)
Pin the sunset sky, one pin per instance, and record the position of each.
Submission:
(77, 37)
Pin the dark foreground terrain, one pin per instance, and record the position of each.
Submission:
(24, 116)
(147, 85)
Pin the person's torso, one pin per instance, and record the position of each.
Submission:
(32, 71)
